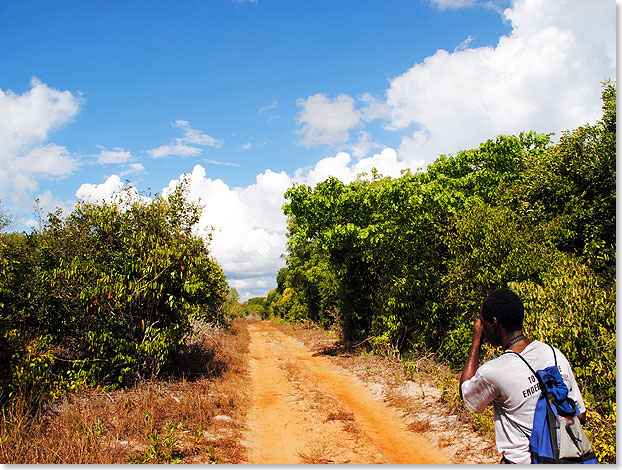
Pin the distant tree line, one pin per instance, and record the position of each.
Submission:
(255, 306)
(402, 264)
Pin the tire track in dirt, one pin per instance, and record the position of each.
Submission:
(305, 410)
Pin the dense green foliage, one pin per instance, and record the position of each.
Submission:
(233, 307)
(104, 296)
(255, 306)
(404, 263)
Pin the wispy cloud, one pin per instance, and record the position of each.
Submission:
(133, 168)
(115, 156)
(453, 4)
(497, 5)
(177, 149)
(193, 136)
(215, 162)
(185, 146)
(464, 44)
(263, 109)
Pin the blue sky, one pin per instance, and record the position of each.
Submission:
(216, 64)
(260, 94)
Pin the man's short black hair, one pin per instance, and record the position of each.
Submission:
(506, 306)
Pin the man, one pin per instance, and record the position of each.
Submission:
(506, 381)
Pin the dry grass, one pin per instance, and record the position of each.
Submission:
(317, 453)
(339, 416)
(420, 425)
(398, 400)
(444, 441)
(192, 419)
(351, 427)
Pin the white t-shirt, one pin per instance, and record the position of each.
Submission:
(508, 383)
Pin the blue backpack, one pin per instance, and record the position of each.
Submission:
(556, 435)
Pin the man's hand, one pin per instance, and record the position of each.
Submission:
(478, 332)
(472, 361)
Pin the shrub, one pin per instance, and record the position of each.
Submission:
(105, 295)
(572, 311)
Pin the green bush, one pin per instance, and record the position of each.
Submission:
(601, 430)
(110, 291)
(489, 246)
(572, 311)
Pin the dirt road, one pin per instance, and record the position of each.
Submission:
(306, 410)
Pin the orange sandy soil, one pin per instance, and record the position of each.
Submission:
(311, 403)
(263, 394)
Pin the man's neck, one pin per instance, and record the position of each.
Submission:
(514, 340)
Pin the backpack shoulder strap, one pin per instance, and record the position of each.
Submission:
(531, 368)
(523, 359)
(554, 355)
(542, 388)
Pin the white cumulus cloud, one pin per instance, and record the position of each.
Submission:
(26, 121)
(545, 75)
(115, 156)
(247, 223)
(364, 145)
(97, 193)
(46, 203)
(113, 190)
(341, 167)
(46, 160)
(326, 121)
(248, 226)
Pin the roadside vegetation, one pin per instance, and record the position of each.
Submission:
(193, 414)
(105, 296)
(99, 312)
(401, 265)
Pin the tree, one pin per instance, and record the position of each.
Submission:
(571, 189)
(489, 246)
(5, 218)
